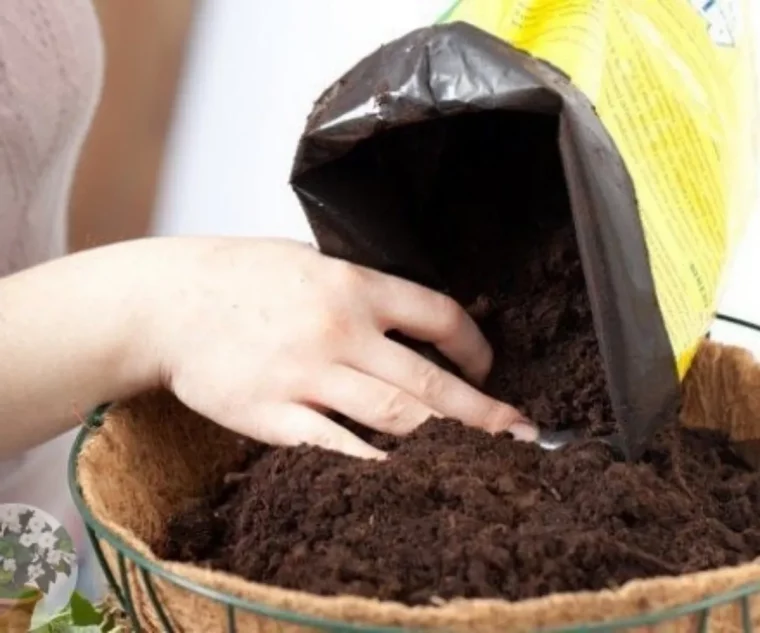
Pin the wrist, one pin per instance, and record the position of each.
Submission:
(73, 337)
(117, 341)
(138, 313)
(166, 276)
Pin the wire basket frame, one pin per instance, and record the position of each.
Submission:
(699, 612)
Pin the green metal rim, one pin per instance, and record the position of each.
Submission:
(700, 609)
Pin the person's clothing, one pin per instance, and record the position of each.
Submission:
(51, 68)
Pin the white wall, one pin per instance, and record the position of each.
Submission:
(254, 70)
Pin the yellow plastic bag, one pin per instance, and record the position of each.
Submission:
(673, 83)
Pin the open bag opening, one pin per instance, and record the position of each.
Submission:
(481, 200)
(450, 158)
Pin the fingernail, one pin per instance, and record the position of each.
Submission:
(524, 430)
(375, 454)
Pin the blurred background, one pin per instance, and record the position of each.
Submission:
(119, 172)
(203, 105)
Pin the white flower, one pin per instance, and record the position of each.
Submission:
(9, 564)
(8, 513)
(10, 526)
(35, 571)
(36, 524)
(35, 527)
(9, 519)
(68, 557)
(54, 557)
(27, 540)
(46, 540)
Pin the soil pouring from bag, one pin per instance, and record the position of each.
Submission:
(456, 512)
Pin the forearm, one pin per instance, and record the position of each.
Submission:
(70, 340)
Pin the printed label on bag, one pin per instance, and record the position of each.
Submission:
(673, 84)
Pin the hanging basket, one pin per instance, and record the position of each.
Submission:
(130, 469)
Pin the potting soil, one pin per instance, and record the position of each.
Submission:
(454, 511)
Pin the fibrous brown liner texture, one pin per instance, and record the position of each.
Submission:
(152, 454)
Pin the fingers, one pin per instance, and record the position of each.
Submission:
(289, 424)
(442, 391)
(370, 401)
(429, 316)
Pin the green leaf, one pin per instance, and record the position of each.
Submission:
(83, 612)
(23, 557)
(65, 544)
(81, 616)
(19, 593)
(64, 568)
(57, 624)
(10, 541)
(11, 592)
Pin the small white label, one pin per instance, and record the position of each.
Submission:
(38, 564)
(722, 17)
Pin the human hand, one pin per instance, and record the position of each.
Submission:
(266, 336)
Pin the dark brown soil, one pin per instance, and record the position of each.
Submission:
(456, 512)
(459, 513)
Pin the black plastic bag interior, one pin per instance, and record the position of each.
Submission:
(448, 157)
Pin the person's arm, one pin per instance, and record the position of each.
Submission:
(69, 341)
(261, 336)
